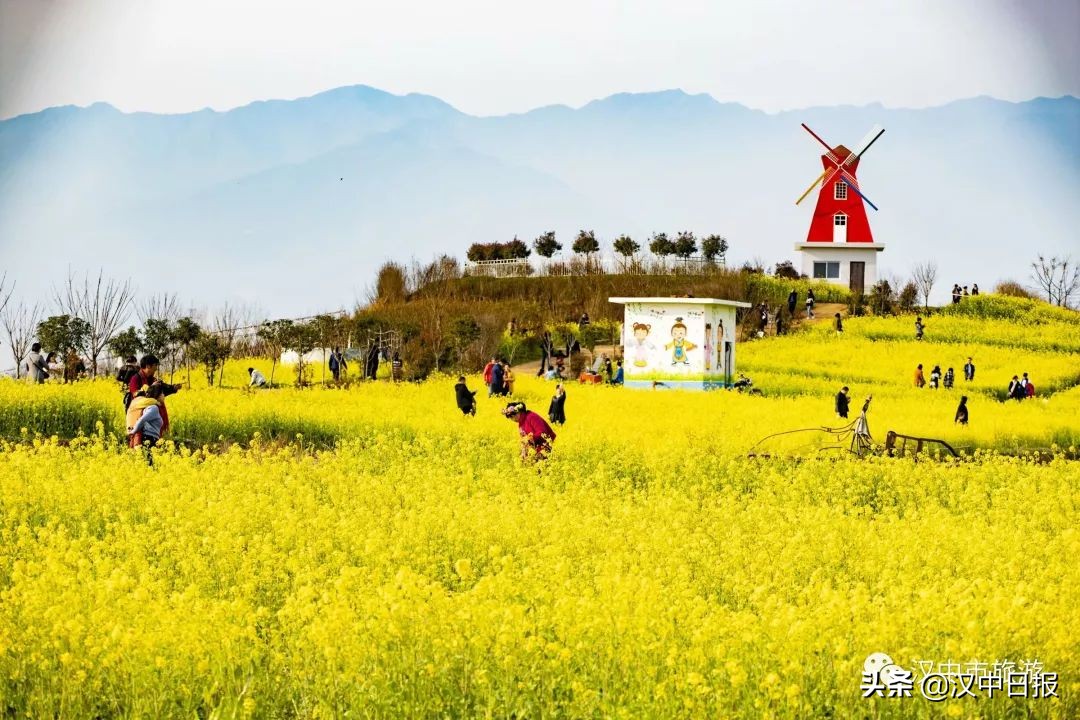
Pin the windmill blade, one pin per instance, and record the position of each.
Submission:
(854, 186)
(814, 185)
(870, 138)
(830, 154)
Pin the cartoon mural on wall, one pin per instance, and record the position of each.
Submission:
(679, 345)
(639, 346)
(698, 354)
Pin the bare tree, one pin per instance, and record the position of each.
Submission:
(226, 324)
(102, 302)
(5, 292)
(1058, 278)
(160, 306)
(20, 323)
(924, 275)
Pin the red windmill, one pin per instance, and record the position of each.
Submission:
(839, 238)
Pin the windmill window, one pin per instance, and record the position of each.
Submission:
(839, 219)
(826, 270)
(840, 190)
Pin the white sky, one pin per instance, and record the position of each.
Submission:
(498, 56)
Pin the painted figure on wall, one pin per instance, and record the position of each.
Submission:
(708, 346)
(679, 345)
(640, 345)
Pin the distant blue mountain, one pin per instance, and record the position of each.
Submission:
(294, 204)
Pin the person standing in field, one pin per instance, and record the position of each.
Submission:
(975, 289)
(935, 377)
(792, 298)
(466, 398)
(36, 367)
(961, 411)
(337, 364)
(618, 379)
(838, 323)
(557, 408)
(779, 322)
(763, 320)
(842, 403)
(536, 435)
(146, 377)
(497, 387)
(969, 370)
(258, 380)
(810, 303)
(919, 328)
(396, 367)
(947, 379)
(920, 380)
(1016, 390)
(508, 379)
(489, 370)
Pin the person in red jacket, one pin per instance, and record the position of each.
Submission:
(142, 380)
(536, 435)
(487, 372)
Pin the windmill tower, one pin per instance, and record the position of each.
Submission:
(840, 247)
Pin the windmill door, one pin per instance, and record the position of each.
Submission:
(839, 228)
(856, 280)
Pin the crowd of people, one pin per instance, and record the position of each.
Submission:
(959, 293)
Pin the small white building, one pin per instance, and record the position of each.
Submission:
(851, 264)
(686, 343)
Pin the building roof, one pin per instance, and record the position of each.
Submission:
(677, 301)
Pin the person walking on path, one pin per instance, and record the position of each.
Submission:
(935, 377)
(258, 380)
(948, 378)
(466, 398)
(961, 411)
(969, 370)
(792, 298)
(919, 328)
(810, 303)
(36, 369)
(842, 403)
(838, 323)
(536, 435)
(920, 380)
(557, 408)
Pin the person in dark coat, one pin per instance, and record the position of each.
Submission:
(969, 370)
(838, 323)
(372, 365)
(498, 387)
(466, 398)
(557, 409)
(961, 411)
(792, 298)
(842, 402)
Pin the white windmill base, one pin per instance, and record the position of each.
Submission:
(847, 256)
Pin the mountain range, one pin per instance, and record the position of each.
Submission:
(293, 204)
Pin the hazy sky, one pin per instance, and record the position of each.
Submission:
(498, 56)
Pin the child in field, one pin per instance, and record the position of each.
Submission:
(146, 424)
(466, 398)
(536, 435)
(557, 409)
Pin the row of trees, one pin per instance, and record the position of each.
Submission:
(685, 244)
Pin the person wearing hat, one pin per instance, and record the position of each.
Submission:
(536, 435)
(842, 402)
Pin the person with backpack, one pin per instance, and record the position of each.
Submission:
(466, 398)
(36, 369)
(961, 416)
(557, 408)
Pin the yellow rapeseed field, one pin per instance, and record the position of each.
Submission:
(370, 552)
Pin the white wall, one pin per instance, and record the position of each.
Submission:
(844, 255)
